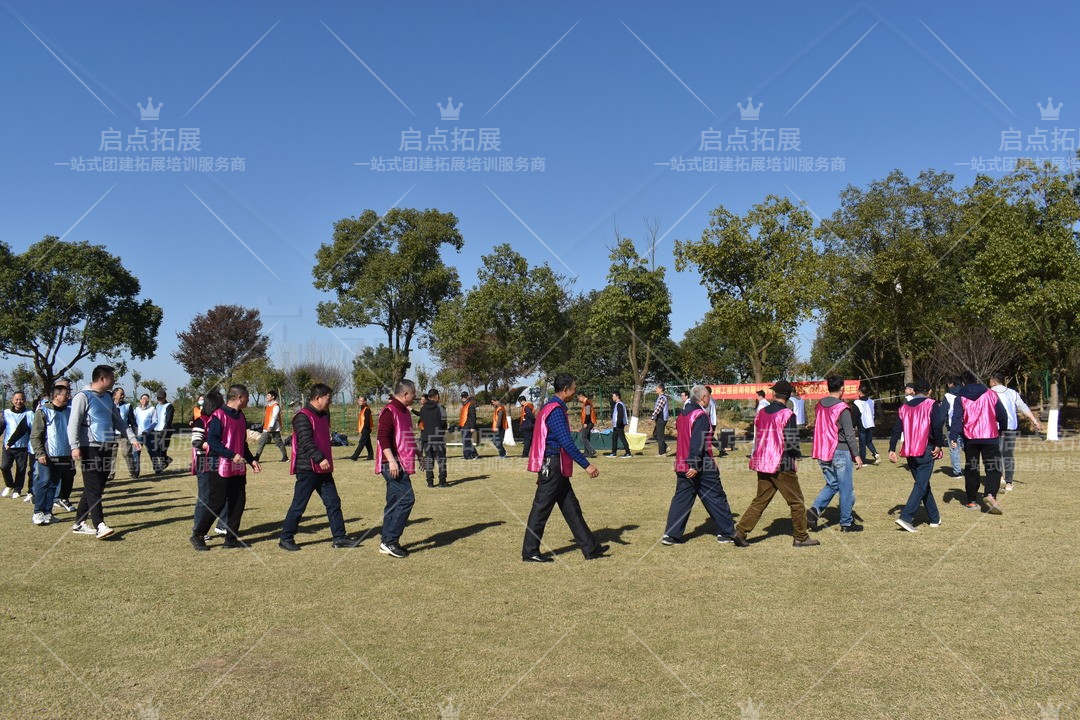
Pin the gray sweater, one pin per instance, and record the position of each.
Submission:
(847, 434)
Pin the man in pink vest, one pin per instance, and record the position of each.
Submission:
(226, 436)
(836, 448)
(552, 458)
(979, 417)
(696, 474)
(919, 421)
(395, 460)
(776, 447)
(312, 463)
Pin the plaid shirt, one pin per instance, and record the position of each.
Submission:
(558, 435)
(661, 407)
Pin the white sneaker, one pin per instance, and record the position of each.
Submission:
(1008, 487)
(49, 519)
(937, 524)
(104, 531)
(6, 492)
(83, 528)
(39, 519)
(14, 496)
(28, 497)
(906, 525)
(219, 531)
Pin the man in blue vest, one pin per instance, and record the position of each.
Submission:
(15, 426)
(122, 448)
(143, 420)
(94, 423)
(160, 434)
(52, 453)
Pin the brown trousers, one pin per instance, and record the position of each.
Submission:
(787, 483)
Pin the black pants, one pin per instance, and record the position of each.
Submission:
(435, 452)
(526, 441)
(991, 460)
(14, 457)
(159, 447)
(619, 435)
(586, 446)
(658, 434)
(555, 489)
(94, 475)
(497, 441)
(705, 485)
(306, 484)
(231, 490)
(364, 443)
(467, 450)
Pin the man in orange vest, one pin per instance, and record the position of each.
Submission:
(498, 426)
(467, 423)
(363, 428)
(271, 427)
(528, 422)
(588, 421)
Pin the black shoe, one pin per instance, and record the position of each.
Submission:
(598, 552)
(346, 542)
(538, 558)
(853, 527)
(288, 545)
(233, 543)
(739, 540)
(431, 484)
(354, 458)
(198, 543)
(812, 516)
(808, 542)
(443, 484)
(393, 550)
(610, 455)
(284, 458)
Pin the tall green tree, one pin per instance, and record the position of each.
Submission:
(508, 326)
(705, 356)
(388, 272)
(760, 272)
(634, 309)
(72, 299)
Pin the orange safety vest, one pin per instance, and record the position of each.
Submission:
(267, 415)
(590, 413)
(498, 420)
(363, 419)
(196, 412)
(527, 406)
(464, 413)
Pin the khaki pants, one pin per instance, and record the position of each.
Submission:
(768, 484)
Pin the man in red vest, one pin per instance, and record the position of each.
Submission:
(979, 417)
(552, 458)
(395, 459)
(696, 474)
(776, 447)
(313, 465)
(919, 420)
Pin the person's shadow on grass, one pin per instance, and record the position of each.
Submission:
(447, 537)
(467, 479)
(707, 527)
(604, 536)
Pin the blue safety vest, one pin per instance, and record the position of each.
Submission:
(56, 427)
(99, 417)
(12, 421)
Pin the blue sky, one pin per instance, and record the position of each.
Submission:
(622, 87)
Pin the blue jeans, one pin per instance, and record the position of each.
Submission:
(839, 478)
(866, 442)
(921, 469)
(136, 458)
(399, 503)
(954, 457)
(306, 484)
(47, 481)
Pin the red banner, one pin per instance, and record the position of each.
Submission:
(813, 390)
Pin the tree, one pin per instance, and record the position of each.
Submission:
(72, 298)
(760, 274)
(259, 376)
(705, 356)
(76, 376)
(136, 378)
(967, 347)
(218, 341)
(19, 379)
(635, 307)
(153, 386)
(888, 262)
(594, 357)
(508, 325)
(388, 272)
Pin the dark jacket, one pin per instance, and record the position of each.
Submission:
(700, 441)
(433, 415)
(306, 451)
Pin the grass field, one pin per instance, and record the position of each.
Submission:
(975, 619)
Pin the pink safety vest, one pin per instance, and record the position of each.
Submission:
(769, 440)
(684, 426)
(404, 441)
(980, 416)
(234, 437)
(827, 430)
(320, 430)
(916, 423)
(536, 452)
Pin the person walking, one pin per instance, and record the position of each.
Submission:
(52, 453)
(93, 423)
(619, 420)
(956, 465)
(1014, 407)
(660, 418)
(866, 407)
(395, 460)
(15, 426)
(552, 459)
(526, 425)
(696, 474)
(467, 424)
(363, 429)
(313, 465)
(499, 423)
(588, 422)
(122, 448)
(161, 433)
(433, 438)
(919, 420)
(271, 427)
(202, 463)
(143, 418)
(774, 460)
(837, 452)
(979, 417)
